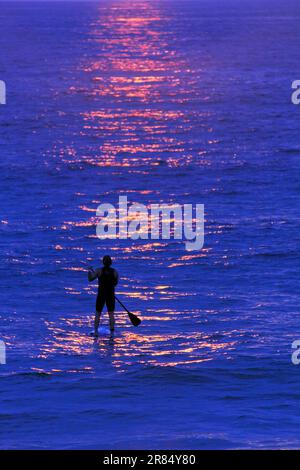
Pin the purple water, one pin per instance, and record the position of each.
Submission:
(163, 101)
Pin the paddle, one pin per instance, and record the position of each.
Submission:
(133, 318)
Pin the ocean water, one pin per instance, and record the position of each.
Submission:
(162, 101)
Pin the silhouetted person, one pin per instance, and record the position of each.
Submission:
(107, 280)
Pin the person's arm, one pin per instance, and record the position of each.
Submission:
(116, 277)
(93, 274)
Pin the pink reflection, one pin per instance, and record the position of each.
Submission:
(130, 346)
(140, 86)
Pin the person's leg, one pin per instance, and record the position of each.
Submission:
(111, 321)
(110, 302)
(99, 307)
(96, 322)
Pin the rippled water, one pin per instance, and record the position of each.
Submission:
(162, 101)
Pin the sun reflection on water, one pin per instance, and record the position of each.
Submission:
(138, 117)
(130, 347)
(139, 83)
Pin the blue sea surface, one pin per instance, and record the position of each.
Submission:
(162, 101)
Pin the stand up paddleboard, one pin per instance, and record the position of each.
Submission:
(102, 331)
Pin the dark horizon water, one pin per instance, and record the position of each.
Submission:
(186, 102)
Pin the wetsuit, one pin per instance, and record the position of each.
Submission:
(107, 280)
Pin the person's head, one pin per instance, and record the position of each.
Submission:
(107, 261)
